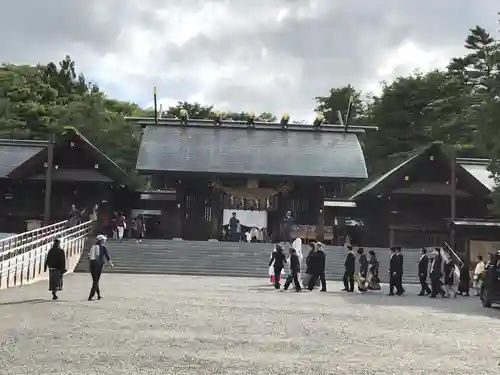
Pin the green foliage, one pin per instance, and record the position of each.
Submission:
(36, 101)
(459, 106)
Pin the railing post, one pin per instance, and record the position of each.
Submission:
(22, 268)
(2, 260)
(15, 269)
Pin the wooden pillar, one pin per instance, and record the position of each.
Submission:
(320, 210)
(216, 219)
(179, 212)
(392, 237)
(453, 198)
(48, 180)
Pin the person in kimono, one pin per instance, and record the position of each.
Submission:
(98, 255)
(55, 262)
(464, 283)
(350, 269)
(478, 274)
(436, 274)
(449, 276)
(423, 270)
(373, 269)
(363, 269)
(278, 260)
(294, 272)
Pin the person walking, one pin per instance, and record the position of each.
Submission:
(318, 262)
(278, 260)
(350, 268)
(294, 271)
(56, 264)
(436, 274)
(423, 271)
(98, 255)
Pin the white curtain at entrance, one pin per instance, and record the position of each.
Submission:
(247, 217)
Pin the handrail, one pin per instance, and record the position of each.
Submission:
(33, 231)
(25, 261)
(453, 253)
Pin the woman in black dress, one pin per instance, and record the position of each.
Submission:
(373, 269)
(464, 285)
(56, 264)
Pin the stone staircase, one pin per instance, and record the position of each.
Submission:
(200, 258)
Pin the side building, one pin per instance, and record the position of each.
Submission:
(81, 175)
(411, 204)
(201, 172)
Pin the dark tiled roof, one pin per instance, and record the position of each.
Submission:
(326, 154)
(475, 168)
(14, 152)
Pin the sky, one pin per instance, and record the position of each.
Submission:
(241, 55)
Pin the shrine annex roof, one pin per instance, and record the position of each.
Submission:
(14, 152)
(243, 151)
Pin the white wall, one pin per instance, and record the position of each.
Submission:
(247, 217)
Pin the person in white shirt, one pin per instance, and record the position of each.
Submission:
(478, 274)
(98, 255)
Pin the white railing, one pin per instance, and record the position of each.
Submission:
(22, 257)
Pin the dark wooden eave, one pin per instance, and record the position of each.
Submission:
(383, 183)
(106, 165)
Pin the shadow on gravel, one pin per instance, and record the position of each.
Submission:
(25, 302)
(460, 305)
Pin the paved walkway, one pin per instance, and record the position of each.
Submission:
(185, 325)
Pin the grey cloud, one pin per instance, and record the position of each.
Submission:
(343, 42)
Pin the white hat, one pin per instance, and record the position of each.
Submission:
(101, 237)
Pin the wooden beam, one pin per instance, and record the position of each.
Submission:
(48, 180)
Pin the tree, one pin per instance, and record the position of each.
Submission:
(36, 101)
(338, 100)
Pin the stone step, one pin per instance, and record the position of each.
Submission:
(222, 259)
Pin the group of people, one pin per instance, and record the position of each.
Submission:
(119, 227)
(446, 278)
(55, 263)
(315, 266)
(368, 276)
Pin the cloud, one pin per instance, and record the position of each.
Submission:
(257, 55)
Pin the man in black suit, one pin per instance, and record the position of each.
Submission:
(350, 268)
(394, 271)
(400, 288)
(436, 273)
(318, 261)
(294, 271)
(423, 269)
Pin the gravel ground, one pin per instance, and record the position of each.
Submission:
(185, 325)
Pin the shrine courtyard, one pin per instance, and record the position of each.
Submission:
(189, 325)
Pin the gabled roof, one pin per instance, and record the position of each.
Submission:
(474, 171)
(14, 152)
(479, 169)
(238, 150)
(107, 165)
(380, 180)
